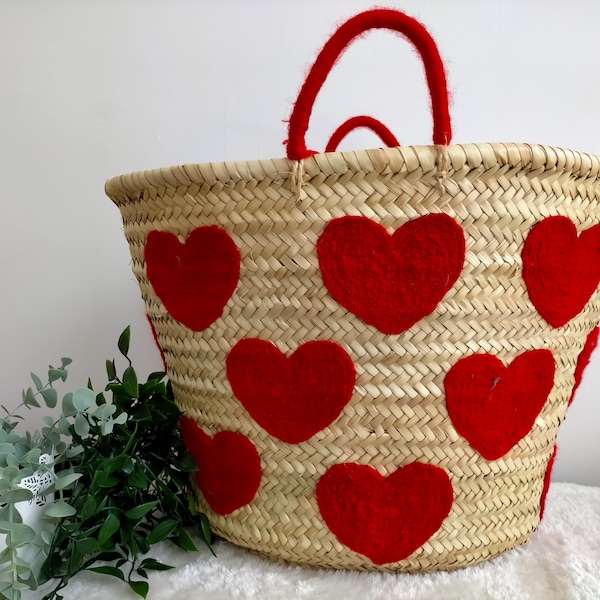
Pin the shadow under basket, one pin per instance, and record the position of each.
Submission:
(373, 350)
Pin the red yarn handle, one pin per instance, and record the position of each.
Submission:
(362, 121)
(372, 19)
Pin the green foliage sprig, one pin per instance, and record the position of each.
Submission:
(122, 480)
(20, 459)
(132, 489)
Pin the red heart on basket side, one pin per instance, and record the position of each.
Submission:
(391, 281)
(583, 360)
(194, 280)
(229, 471)
(291, 398)
(547, 481)
(384, 518)
(561, 269)
(494, 407)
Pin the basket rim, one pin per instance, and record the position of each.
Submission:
(454, 157)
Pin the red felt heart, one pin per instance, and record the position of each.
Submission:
(384, 518)
(560, 269)
(229, 470)
(583, 360)
(495, 407)
(391, 281)
(291, 398)
(194, 280)
(547, 481)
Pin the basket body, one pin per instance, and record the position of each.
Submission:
(397, 413)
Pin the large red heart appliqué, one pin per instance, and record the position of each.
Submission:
(494, 407)
(561, 269)
(229, 471)
(291, 398)
(194, 280)
(384, 518)
(391, 281)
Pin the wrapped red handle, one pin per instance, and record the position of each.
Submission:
(362, 121)
(347, 32)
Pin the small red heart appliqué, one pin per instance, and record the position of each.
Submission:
(291, 398)
(494, 407)
(583, 360)
(391, 281)
(229, 471)
(547, 481)
(384, 518)
(561, 269)
(194, 280)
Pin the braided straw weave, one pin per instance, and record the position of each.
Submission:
(397, 414)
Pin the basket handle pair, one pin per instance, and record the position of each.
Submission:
(394, 20)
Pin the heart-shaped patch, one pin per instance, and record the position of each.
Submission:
(194, 280)
(229, 471)
(384, 518)
(494, 407)
(583, 360)
(547, 481)
(391, 281)
(291, 398)
(561, 269)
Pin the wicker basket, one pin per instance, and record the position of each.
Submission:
(357, 400)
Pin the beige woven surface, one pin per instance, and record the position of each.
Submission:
(397, 414)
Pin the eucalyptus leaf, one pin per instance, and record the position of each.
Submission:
(83, 398)
(82, 427)
(6, 585)
(11, 473)
(6, 526)
(64, 481)
(105, 411)
(33, 456)
(55, 374)
(60, 509)
(120, 419)
(20, 535)
(12, 460)
(16, 495)
(106, 427)
(74, 451)
(37, 382)
(46, 535)
(68, 408)
(29, 399)
(50, 397)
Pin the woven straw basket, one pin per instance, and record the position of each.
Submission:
(328, 431)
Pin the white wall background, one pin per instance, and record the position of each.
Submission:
(92, 89)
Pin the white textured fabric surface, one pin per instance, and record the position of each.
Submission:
(560, 562)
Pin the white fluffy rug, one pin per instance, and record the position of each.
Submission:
(560, 562)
